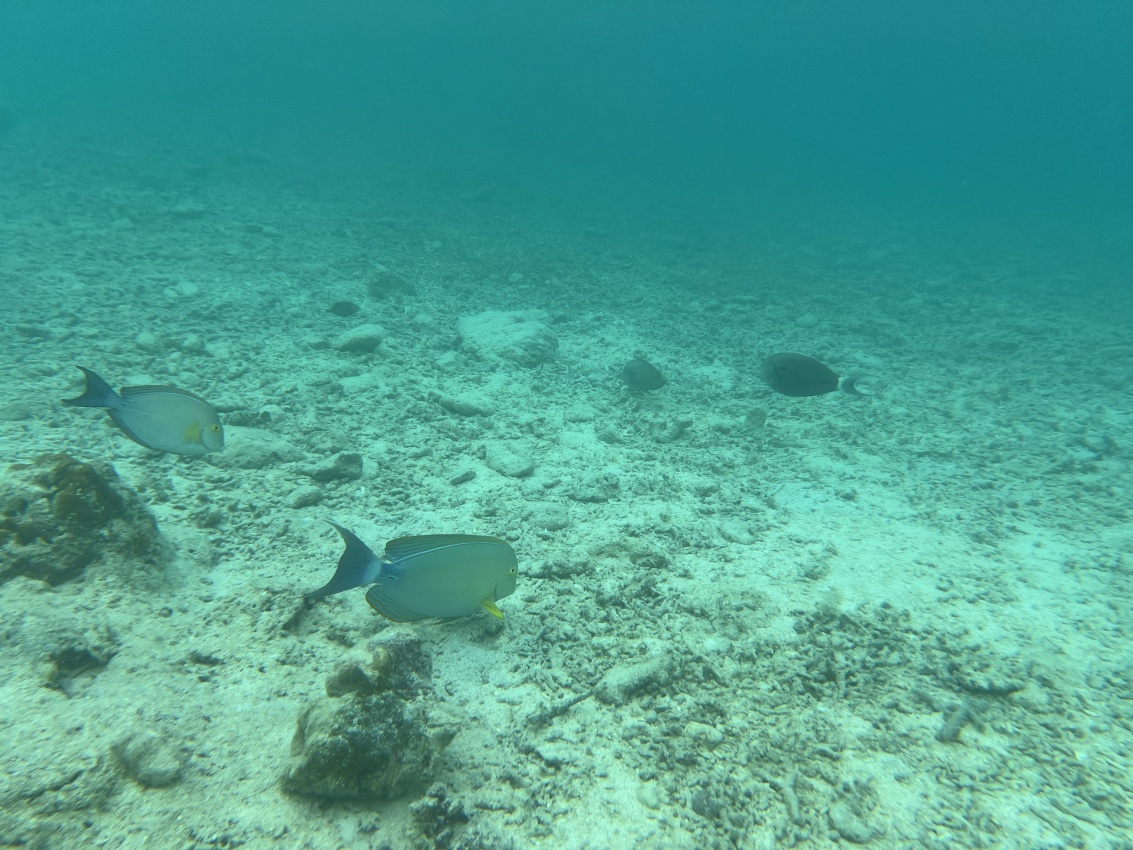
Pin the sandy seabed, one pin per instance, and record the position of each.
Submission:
(898, 621)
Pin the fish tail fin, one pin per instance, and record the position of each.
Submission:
(848, 385)
(98, 393)
(356, 566)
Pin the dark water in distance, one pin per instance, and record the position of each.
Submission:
(941, 108)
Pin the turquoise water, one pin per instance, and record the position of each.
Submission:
(742, 619)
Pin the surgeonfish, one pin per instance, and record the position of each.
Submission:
(642, 375)
(165, 419)
(433, 576)
(798, 375)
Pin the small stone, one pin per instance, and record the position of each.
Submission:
(462, 478)
(304, 497)
(17, 411)
(647, 795)
(149, 342)
(580, 413)
(557, 754)
(548, 516)
(807, 320)
(359, 383)
(506, 460)
(608, 434)
(673, 430)
(344, 466)
(362, 339)
(620, 683)
(254, 448)
(382, 282)
(450, 362)
(735, 531)
(149, 759)
(595, 488)
(187, 209)
(848, 825)
(188, 289)
(466, 404)
(708, 737)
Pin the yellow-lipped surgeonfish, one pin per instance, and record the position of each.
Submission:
(162, 418)
(433, 576)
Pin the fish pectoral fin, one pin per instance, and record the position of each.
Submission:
(489, 605)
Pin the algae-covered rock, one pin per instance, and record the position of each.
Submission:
(401, 660)
(59, 515)
(363, 748)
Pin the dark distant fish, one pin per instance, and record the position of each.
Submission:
(798, 375)
(434, 576)
(642, 375)
(165, 419)
(343, 308)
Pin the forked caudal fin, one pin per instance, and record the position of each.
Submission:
(357, 566)
(98, 393)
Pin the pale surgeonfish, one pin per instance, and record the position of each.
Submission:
(430, 577)
(162, 418)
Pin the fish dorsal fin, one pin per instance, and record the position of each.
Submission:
(407, 548)
(489, 605)
(381, 602)
(150, 390)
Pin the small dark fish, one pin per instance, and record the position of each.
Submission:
(642, 375)
(343, 308)
(798, 375)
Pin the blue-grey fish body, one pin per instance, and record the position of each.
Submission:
(434, 576)
(162, 418)
(801, 376)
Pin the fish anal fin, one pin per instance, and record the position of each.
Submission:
(380, 601)
(117, 419)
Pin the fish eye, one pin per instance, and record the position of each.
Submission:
(513, 571)
(214, 428)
